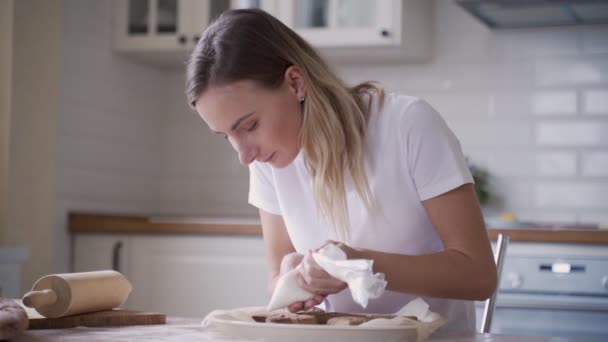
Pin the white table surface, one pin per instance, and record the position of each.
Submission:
(187, 330)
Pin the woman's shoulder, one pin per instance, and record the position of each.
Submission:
(399, 104)
(401, 109)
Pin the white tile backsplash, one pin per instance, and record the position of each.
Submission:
(595, 39)
(595, 164)
(572, 133)
(103, 183)
(595, 102)
(598, 217)
(511, 104)
(460, 104)
(556, 164)
(492, 75)
(108, 155)
(558, 102)
(511, 195)
(572, 194)
(517, 44)
(492, 134)
(553, 216)
(572, 72)
(511, 163)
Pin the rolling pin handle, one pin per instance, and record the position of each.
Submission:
(34, 299)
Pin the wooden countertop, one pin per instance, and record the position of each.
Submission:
(96, 223)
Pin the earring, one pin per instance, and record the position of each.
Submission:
(301, 98)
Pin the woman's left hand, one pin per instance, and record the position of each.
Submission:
(351, 253)
(314, 279)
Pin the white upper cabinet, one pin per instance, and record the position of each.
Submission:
(363, 29)
(153, 25)
(169, 25)
(398, 30)
(335, 23)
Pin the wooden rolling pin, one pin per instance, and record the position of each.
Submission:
(59, 295)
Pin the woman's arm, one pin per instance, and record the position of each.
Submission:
(277, 243)
(282, 256)
(464, 270)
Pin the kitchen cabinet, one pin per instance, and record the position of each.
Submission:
(332, 23)
(93, 252)
(361, 29)
(153, 25)
(164, 31)
(172, 26)
(186, 276)
(190, 276)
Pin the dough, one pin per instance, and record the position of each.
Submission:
(13, 319)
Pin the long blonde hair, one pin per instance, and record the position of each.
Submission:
(249, 44)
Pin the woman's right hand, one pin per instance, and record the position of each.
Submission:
(288, 263)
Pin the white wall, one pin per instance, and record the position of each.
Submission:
(109, 126)
(530, 105)
(201, 174)
(6, 66)
(32, 146)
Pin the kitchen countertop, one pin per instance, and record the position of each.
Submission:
(115, 224)
(180, 329)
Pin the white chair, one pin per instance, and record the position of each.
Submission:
(499, 256)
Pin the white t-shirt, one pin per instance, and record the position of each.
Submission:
(413, 157)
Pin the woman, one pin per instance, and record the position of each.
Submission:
(380, 175)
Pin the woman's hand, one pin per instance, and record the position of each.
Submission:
(351, 253)
(313, 278)
(289, 262)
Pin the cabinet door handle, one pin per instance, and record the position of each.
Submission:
(116, 255)
(196, 38)
(385, 33)
(182, 39)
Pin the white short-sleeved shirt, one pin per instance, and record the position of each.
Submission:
(413, 156)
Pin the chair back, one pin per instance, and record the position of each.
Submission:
(499, 256)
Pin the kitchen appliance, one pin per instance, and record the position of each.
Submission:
(504, 14)
(553, 290)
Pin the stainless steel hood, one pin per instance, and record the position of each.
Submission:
(537, 13)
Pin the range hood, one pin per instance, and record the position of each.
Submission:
(501, 14)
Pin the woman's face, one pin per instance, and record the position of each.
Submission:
(261, 124)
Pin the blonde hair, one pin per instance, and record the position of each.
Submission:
(249, 44)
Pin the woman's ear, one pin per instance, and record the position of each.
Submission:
(294, 79)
